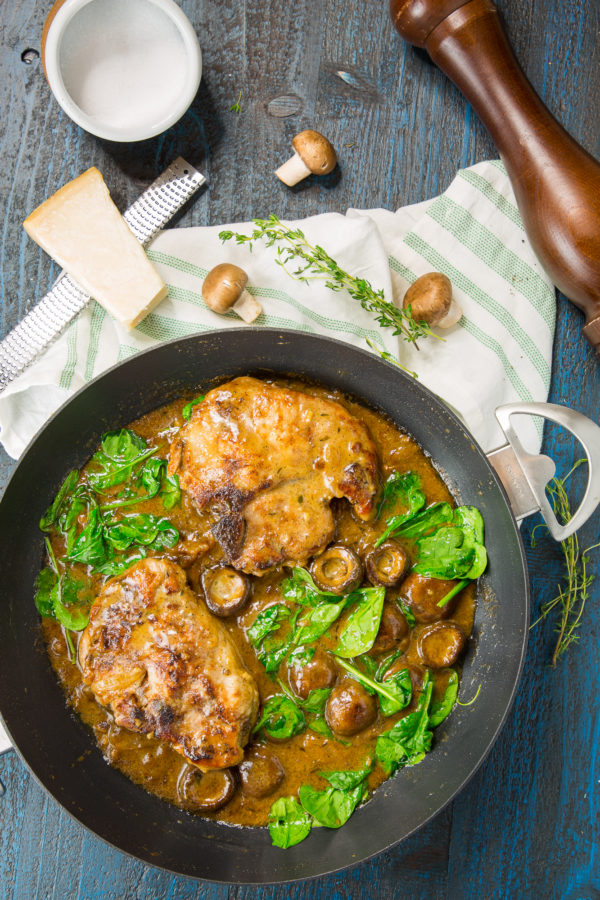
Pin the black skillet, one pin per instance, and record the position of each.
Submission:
(60, 751)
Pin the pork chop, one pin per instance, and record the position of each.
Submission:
(163, 665)
(269, 460)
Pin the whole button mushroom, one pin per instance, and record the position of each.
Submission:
(430, 300)
(224, 288)
(313, 155)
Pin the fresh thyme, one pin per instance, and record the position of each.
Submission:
(314, 263)
(570, 600)
(389, 358)
(237, 106)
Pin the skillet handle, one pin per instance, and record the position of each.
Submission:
(537, 471)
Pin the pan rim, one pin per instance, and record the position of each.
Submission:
(490, 740)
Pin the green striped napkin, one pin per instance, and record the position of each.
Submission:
(500, 351)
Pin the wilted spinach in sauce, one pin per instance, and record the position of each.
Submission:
(124, 506)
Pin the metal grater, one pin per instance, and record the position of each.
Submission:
(43, 324)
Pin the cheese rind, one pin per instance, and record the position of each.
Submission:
(82, 229)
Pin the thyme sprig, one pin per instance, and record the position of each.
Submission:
(571, 598)
(313, 262)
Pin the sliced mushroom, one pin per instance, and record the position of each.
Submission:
(313, 154)
(350, 708)
(320, 672)
(387, 564)
(224, 288)
(205, 791)
(441, 644)
(261, 773)
(338, 570)
(430, 300)
(226, 590)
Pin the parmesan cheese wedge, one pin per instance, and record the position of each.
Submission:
(82, 229)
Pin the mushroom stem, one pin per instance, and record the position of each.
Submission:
(247, 307)
(293, 171)
(452, 316)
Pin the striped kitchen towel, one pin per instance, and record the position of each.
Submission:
(499, 351)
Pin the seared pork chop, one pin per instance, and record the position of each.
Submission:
(163, 665)
(270, 460)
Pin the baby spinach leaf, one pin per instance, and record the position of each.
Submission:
(401, 686)
(90, 547)
(333, 806)
(281, 718)
(470, 520)
(145, 529)
(348, 780)
(393, 693)
(407, 613)
(410, 739)
(363, 624)
(288, 823)
(119, 564)
(267, 620)
(441, 709)
(405, 488)
(443, 554)
(301, 656)
(51, 516)
(301, 588)
(317, 620)
(187, 410)
(120, 452)
(73, 619)
(385, 664)
(330, 807)
(419, 525)
(151, 476)
(170, 492)
(44, 584)
(316, 700)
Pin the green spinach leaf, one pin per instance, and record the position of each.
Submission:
(300, 588)
(410, 739)
(393, 695)
(363, 624)
(50, 518)
(144, 529)
(281, 718)
(90, 547)
(330, 807)
(188, 409)
(44, 585)
(267, 621)
(317, 621)
(441, 709)
(288, 822)
(405, 488)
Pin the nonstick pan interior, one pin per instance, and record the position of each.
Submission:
(61, 752)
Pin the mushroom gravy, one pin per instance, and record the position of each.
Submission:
(158, 768)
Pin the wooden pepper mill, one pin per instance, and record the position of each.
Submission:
(556, 182)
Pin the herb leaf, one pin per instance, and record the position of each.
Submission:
(317, 620)
(330, 807)
(188, 409)
(281, 718)
(51, 516)
(410, 739)
(405, 488)
(314, 262)
(394, 694)
(288, 823)
(267, 620)
(300, 588)
(441, 709)
(363, 624)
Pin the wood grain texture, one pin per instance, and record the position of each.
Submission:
(527, 826)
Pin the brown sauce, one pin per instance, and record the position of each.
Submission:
(160, 769)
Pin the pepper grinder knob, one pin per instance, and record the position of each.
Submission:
(556, 182)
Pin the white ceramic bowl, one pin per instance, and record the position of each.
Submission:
(124, 70)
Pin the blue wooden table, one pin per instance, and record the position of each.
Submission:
(528, 824)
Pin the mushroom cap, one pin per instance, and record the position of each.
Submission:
(429, 298)
(223, 286)
(315, 151)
